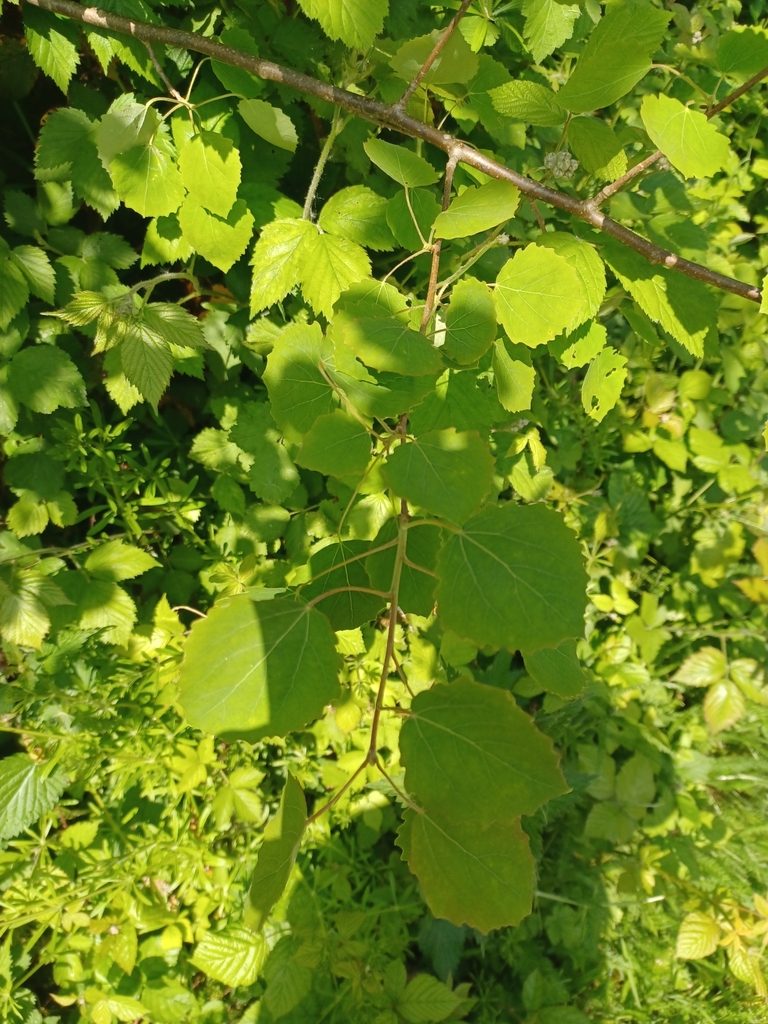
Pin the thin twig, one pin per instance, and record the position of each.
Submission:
(633, 172)
(437, 246)
(337, 796)
(336, 126)
(159, 69)
(438, 48)
(384, 114)
(400, 793)
(188, 608)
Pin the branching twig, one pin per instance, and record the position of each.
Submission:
(615, 186)
(438, 48)
(397, 119)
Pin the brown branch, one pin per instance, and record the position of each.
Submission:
(615, 186)
(163, 77)
(438, 48)
(383, 114)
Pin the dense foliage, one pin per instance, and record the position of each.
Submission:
(383, 568)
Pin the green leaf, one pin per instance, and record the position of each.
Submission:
(52, 44)
(724, 705)
(388, 344)
(67, 151)
(580, 347)
(699, 936)
(515, 378)
(222, 241)
(25, 596)
(116, 561)
(27, 791)
(538, 295)
(45, 379)
(164, 242)
(233, 956)
(684, 307)
(36, 268)
(528, 102)
(557, 669)
(298, 391)
(235, 79)
(443, 472)
(603, 383)
(635, 786)
(271, 475)
(594, 143)
(426, 999)
(355, 22)
(330, 266)
(478, 209)
(270, 123)
(706, 666)
(125, 125)
(210, 168)
(469, 874)
(359, 214)
(400, 163)
(278, 261)
(454, 64)
(513, 577)
(405, 212)
(147, 180)
(173, 324)
(470, 321)
(617, 55)
(277, 855)
(336, 445)
(417, 578)
(14, 292)
(146, 360)
(590, 270)
(743, 51)
(256, 669)
(471, 754)
(340, 564)
(687, 139)
(547, 25)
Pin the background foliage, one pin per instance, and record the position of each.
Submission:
(155, 462)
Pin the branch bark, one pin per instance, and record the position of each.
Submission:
(418, 78)
(390, 117)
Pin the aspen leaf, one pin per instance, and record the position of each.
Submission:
(687, 139)
(513, 577)
(478, 209)
(258, 669)
(538, 295)
(277, 855)
(470, 321)
(271, 123)
(400, 163)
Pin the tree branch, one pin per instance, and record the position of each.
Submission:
(437, 246)
(391, 117)
(402, 103)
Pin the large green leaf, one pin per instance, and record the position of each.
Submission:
(210, 169)
(221, 240)
(513, 577)
(478, 209)
(271, 473)
(147, 180)
(27, 790)
(590, 270)
(547, 25)
(603, 383)
(256, 669)
(336, 445)
(515, 377)
(44, 378)
(277, 855)
(470, 874)
(271, 123)
(470, 321)
(455, 62)
(330, 266)
(67, 151)
(388, 344)
(684, 307)
(617, 55)
(355, 22)
(528, 102)
(557, 669)
(538, 295)
(743, 51)
(52, 43)
(687, 139)
(445, 472)
(359, 214)
(233, 956)
(297, 389)
(116, 561)
(337, 566)
(278, 261)
(471, 754)
(401, 163)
